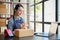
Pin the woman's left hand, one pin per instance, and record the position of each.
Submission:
(23, 26)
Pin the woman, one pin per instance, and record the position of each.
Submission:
(17, 21)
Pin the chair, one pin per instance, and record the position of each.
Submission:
(52, 30)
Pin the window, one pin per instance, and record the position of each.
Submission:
(46, 28)
(49, 11)
(31, 11)
(39, 27)
(59, 11)
(38, 1)
(38, 18)
(38, 12)
(58, 16)
(31, 2)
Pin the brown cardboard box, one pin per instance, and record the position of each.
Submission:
(2, 29)
(3, 8)
(2, 22)
(2, 5)
(23, 32)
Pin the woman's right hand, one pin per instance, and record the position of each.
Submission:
(23, 26)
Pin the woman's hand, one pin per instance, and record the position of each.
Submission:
(23, 26)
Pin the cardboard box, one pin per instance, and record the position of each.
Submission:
(2, 22)
(3, 11)
(2, 5)
(2, 29)
(3, 8)
(23, 32)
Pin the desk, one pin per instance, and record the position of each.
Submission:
(28, 38)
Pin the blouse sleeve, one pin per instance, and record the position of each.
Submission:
(22, 20)
(10, 24)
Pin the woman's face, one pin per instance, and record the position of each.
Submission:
(19, 11)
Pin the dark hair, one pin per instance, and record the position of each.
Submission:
(17, 6)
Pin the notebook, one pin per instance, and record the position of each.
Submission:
(52, 31)
(58, 37)
(44, 34)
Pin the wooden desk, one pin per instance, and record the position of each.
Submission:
(28, 38)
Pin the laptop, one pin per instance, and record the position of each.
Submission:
(52, 31)
(44, 34)
(58, 37)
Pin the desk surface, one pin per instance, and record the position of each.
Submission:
(28, 38)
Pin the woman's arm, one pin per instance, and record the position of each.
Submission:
(10, 25)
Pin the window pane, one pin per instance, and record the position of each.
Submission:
(46, 28)
(31, 14)
(39, 12)
(15, 0)
(59, 29)
(59, 16)
(58, 10)
(38, 1)
(23, 1)
(39, 27)
(49, 11)
(31, 2)
(31, 25)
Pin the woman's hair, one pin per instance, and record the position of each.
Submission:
(17, 6)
